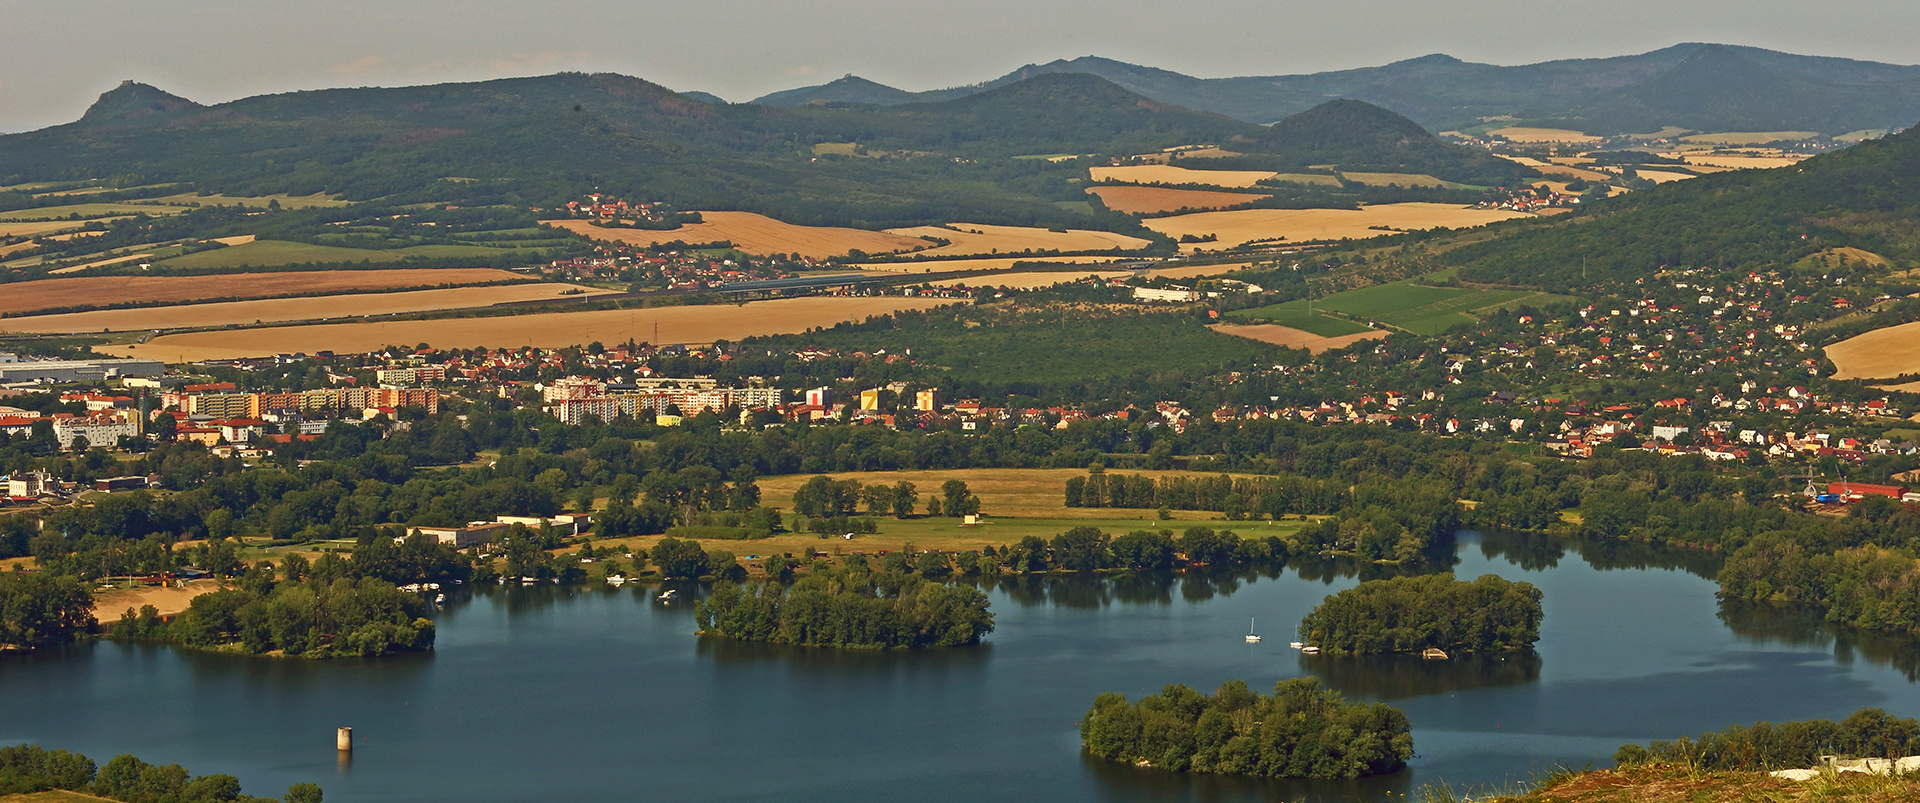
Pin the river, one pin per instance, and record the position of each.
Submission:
(605, 694)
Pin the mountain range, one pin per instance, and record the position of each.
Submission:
(1702, 87)
(545, 139)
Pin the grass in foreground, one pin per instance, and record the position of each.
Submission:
(1677, 784)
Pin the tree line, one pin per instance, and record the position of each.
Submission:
(1867, 733)
(1302, 730)
(1412, 614)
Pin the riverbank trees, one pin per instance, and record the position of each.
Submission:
(852, 607)
(28, 769)
(1867, 733)
(1412, 614)
(42, 610)
(1302, 730)
(312, 618)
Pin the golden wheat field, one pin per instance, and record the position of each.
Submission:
(970, 239)
(274, 310)
(1155, 200)
(1743, 162)
(1192, 271)
(1663, 176)
(1561, 167)
(35, 228)
(1526, 135)
(979, 264)
(1748, 137)
(1294, 338)
(689, 324)
(1166, 174)
(1887, 352)
(111, 290)
(1307, 225)
(755, 234)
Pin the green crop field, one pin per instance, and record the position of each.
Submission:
(89, 211)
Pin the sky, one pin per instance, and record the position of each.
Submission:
(57, 56)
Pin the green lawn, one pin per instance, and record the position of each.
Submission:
(1418, 308)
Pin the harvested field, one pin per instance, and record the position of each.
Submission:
(689, 324)
(74, 235)
(1155, 200)
(1192, 271)
(1663, 176)
(1164, 174)
(46, 294)
(1295, 338)
(1028, 281)
(980, 238)
(990, 263)
(1305, 225)
(1523, 134)
(1906, 387)
(1402, 179)
(100, 263)
(274, 310)
(1560, 167)
(1887, 352)
(1748, 137)
(755, 234)
(241, 239)
(1743, 162)
(1208, 153)
(35, 228)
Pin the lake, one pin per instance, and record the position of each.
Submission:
(602, 693)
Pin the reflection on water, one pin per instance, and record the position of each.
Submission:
(1538, 553)
(734, 651)
(1398, 677)
(1803, 626)
(1126, 781)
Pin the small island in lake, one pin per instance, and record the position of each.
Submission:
(1434, 612)
(850, 606)
(1303, 730)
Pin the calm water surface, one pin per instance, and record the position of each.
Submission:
(600, 693)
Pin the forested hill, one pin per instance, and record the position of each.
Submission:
(1360, 136)
(540, 140)
(1697, 86)
(1865, 197)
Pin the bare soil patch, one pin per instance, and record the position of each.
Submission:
(1295, 338)
(1155, 200)
(1236, 227)
(46, 294)
(1525, 134)
(689, 324)
(1892, 351)
(108, 605)
(273, 310)
(755, 234)
(980, 264)
(1167, 174)
(980, 238)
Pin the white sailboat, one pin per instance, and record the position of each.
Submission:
(1252, 638)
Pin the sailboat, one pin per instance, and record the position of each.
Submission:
(1252, 638)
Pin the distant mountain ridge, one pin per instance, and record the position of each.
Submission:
(1696, 86)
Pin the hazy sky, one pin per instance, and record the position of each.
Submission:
(56, 56)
